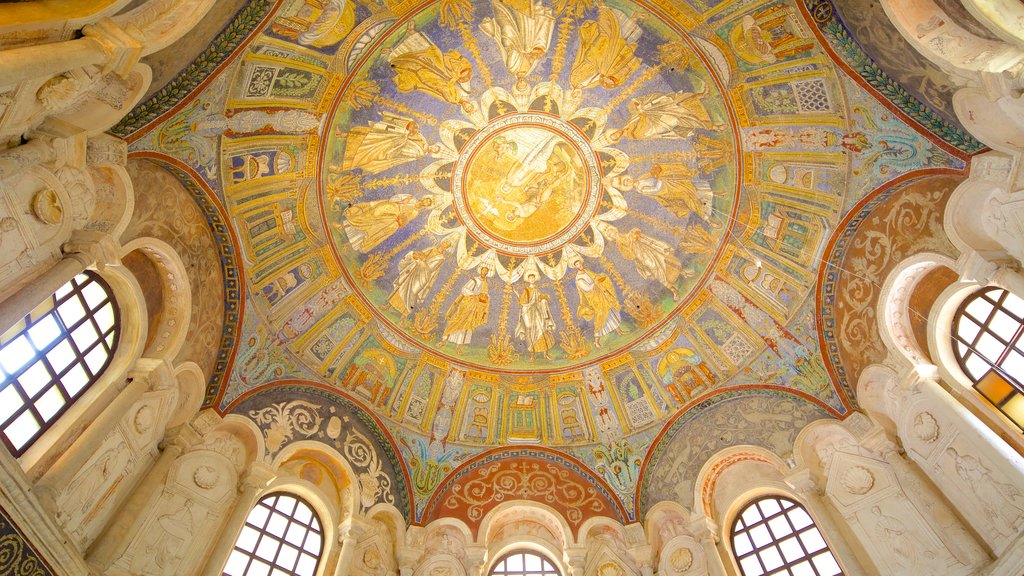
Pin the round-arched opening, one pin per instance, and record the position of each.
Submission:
(775, 535)
(50, 358)
(282, 535)
(522, 562)
(986, 337)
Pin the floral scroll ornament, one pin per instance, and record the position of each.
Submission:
(281, 421)
(374, 484)
(528, 481)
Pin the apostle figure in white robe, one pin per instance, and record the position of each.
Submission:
(599, 302)
(384, 144)
(673, 116)
(653, 258)
(522, 30)
(536, 324)
(417, 272)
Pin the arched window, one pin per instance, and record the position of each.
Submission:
(53, 355)
(524, 563)
(281, 537)
(775, 535)
(987, 342)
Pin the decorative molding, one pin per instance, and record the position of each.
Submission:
(843, 47)
(220, 52)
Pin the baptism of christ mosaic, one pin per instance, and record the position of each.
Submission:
(536, 210)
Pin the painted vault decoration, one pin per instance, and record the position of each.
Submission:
(572, 223)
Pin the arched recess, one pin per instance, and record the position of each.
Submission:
(905, 302)
(769, 418)
(444, 543)
(206, 243)
(324, 468)
(677, 550)
(133, 327)
(1003, 17)
(525, 525)
(289, 411)
(165, 287)
(607, 549)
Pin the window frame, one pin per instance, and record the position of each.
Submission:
(556, 571)
(1014, 342)
(76, 290)
(281, 541)
(786, 567)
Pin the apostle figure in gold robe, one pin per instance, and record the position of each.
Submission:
(417, 272)
(599, 302)
(654, 259)
(384, 144)
(674, 187)
(536, 324)
(606, 55)
(468, 312)
(673, 116)
(420, 65)
(367, 224)
(522, 30)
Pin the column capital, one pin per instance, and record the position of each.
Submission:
(101, 248)
(122, 48)
(804, 483)
(703, 527)
(258, 476)
(353, 527)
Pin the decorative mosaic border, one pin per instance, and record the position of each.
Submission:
(831, 271)
(247, 20)
(832, 29)
(19, 556)
(532, 452)
(403, 494)
(230, 266)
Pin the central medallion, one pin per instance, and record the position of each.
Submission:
(526, 184)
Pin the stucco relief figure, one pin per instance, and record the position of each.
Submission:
(367, 224)
(999, 500)
(606, 56)
(892, 534)
(417, 272)
(468, 312)
(420, 65)
(85, 489)
(384, 144)
(522, 36)
(536, 324)
(653, 258)
(599, 302)
(161, 551)
(672, 185)
(673, 116)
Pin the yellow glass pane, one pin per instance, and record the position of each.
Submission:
(1014, 408)
(994, 387)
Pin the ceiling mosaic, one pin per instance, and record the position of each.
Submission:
(573, 223)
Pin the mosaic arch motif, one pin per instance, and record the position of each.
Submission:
(441, 210)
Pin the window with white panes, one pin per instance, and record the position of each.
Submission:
(282, 536)
(776, 536)
(524, 563)
(50, 358)
(987, 333)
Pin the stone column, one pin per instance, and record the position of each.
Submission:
(249, 489)
(576, 560)
(16, 306)
(104, 44)
(705, 531)
(349, 533)
(476, 557)
(805, 486)
(118, 533)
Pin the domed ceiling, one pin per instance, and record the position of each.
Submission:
(579, 224)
